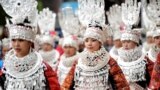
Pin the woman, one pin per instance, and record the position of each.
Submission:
(155, 80)
(69, 58)
(155, 49)
(136, 68)
(5, 46)
(95, 69)
(117, 44)
(23, 67)
(149, 42)
(49, 54)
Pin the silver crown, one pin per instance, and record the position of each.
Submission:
(91, 10)
(130, 12)
(147, 23)
(114, 16)
(69, 22)
(153, 11)
(22, 32)
(20, 10)
(46, 20)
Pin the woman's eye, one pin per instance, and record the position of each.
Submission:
(94, 40)
(86, 40)
(13, 40)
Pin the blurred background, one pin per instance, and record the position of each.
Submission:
(56, 5)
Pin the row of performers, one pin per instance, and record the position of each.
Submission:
(92, 69)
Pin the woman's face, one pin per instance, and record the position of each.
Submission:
(47, 47)
(5, 50)
(157, 41)
(21, 47)
(117, 43)
(150, 40)
(69, 51)
(92, 44)
(128, 44)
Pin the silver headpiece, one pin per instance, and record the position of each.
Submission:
(46, 20)
(91, 10)
(153, 11)
(20, 10)
(23, 19)
(69, 22)
(114, 16)
(22, 32)
(131, 12)
(133, 35)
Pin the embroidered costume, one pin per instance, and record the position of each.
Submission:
(136, 68)
(46, 22)
(28, 72)
(51, 57)
(70, 28)
(96, 71)
(65, 65)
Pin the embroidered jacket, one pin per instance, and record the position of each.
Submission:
(116, 77)
(155, 78)
(50, 75)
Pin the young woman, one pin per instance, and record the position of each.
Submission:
(136, 68)
(149, 42)
(49, 54)
(155, 49)
(155, 80)
(117, 44)
(5, 46)
(24, 68)
(69, 58)
(95, 69)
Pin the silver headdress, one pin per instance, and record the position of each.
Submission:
(69, 22)
(147, 24)
(131, 12)
(91, 10)
(46, 20)
(92, 17)
(21, 12)
(114, 16)
(153, 11)
(130, 17)
(151, 16)
(70, 25)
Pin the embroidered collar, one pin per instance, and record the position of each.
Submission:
(114, 53)
(25, 73)
(152, 53)
(92, 61)
(65, 66)
(68, 61)
(22, 67)
(146, 47)
(134, 71)
(130, 55)
(50, 56)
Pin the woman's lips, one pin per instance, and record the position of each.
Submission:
(17, 49)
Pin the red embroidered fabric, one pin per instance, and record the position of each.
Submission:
(51, 78)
